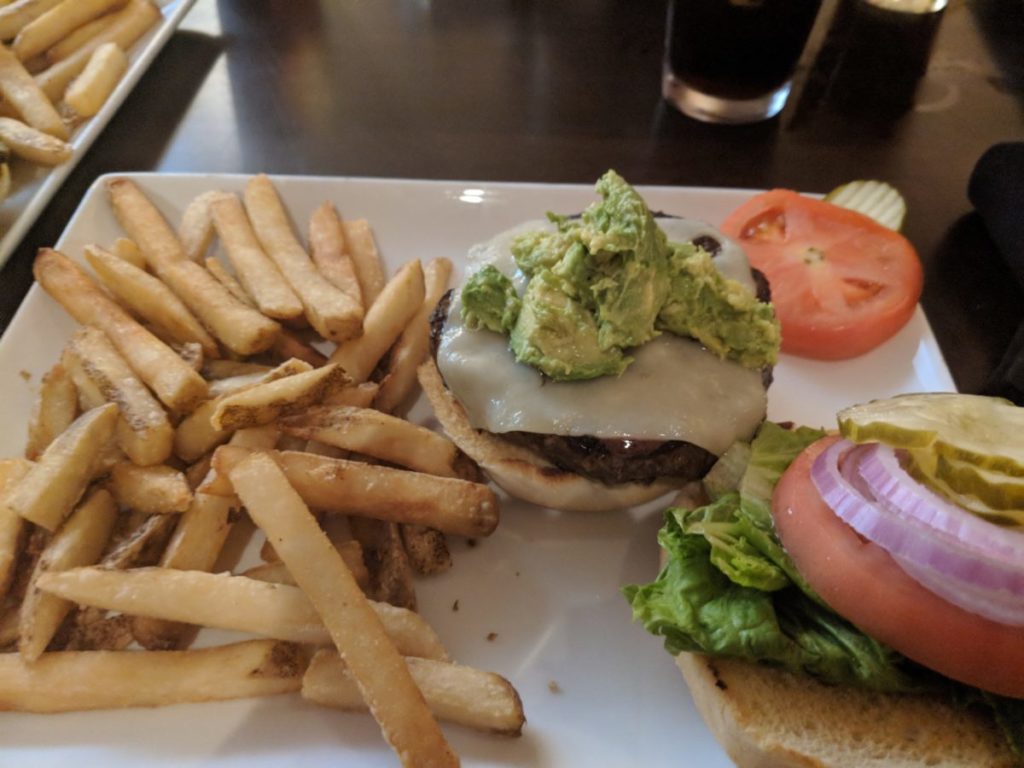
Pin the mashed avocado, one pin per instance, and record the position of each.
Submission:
(610, 281)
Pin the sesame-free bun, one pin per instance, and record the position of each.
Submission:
(522, 473)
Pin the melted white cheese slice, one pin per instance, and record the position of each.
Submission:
(674, 389)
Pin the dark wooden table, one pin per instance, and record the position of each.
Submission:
(559, 92)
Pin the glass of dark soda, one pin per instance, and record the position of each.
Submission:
(732, 61)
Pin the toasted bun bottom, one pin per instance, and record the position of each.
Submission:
(769, 718)
(521, 472)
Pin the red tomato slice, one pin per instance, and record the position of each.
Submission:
(862, 583)
(841, 283)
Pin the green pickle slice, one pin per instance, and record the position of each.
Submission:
(986, 433)
(921, 466)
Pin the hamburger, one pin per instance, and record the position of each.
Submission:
(855, 599)
(598, 361)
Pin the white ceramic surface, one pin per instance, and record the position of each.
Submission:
(32, 186)
(598, 691)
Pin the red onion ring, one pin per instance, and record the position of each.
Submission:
(957, 569)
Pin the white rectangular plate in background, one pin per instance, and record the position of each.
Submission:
(597, 690)
(32, 185)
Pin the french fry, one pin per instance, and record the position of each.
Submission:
(32, 144)
(104, 633)
(381, 674)
(256, 438)
(76, 39)
(195, 546)
(23, 93)
(242, 329)
(427, 549)
(394, 495)
(289, 345)
(258, 274)
(152, 490)
(172, 380)
(376, 434)
(455, 693)
(266, 402)
(332, 313)
(359, 396)
(223, 601)
(144, 432)
(50, 27)
(150, 299)
(12, 526)
(126, 250)
(67, 681)
(401, 298)
(386, 560)
(196, 434)
(196, 228)
(80, 541)
(49, 491)
(411, 348)
(90, 90)
(17, 14)
(362, 249)
(55, 407)
(225, 278)
(192, 355)
(9, 617)
(129, 24)
(327, 247)
(143, 546)
(351, 552)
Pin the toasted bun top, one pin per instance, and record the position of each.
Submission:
(522, 473)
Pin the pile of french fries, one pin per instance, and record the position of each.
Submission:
(59, 62)
(203, 401)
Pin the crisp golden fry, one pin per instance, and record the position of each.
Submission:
(464, 695)
(78, 680)
(39, 147)
(55, 407)
(334, 314)
(129, 24)
(256, 438)
(391, 579)
(223, 601)
(195, 546)
(17, 14)
(93, 87)
(216, 268)
(401, 298)
(49, 28)
(151, 490)
(411, 348)
(242, 329)
(144, 433)
(196, 229)
(78, 38)
(143, 545)
(80, 541)
(150, 299)
(264, 403)
(395, 495)
(12, 526)
(359, 396)
(178, 386)
(362, 249)
(47, 494)
(289, 345)
(196, 434)
(382, 676)
(427, 549)
(327, 247)
(21, 92)
(376, 434)
(275, 572)
(258, 274)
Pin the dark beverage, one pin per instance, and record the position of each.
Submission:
(737, 49)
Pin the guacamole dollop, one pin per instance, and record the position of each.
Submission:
(609, 281)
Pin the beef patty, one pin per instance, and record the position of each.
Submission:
(618, 460)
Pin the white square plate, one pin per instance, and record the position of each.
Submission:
(598, 691)
(32, 185)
